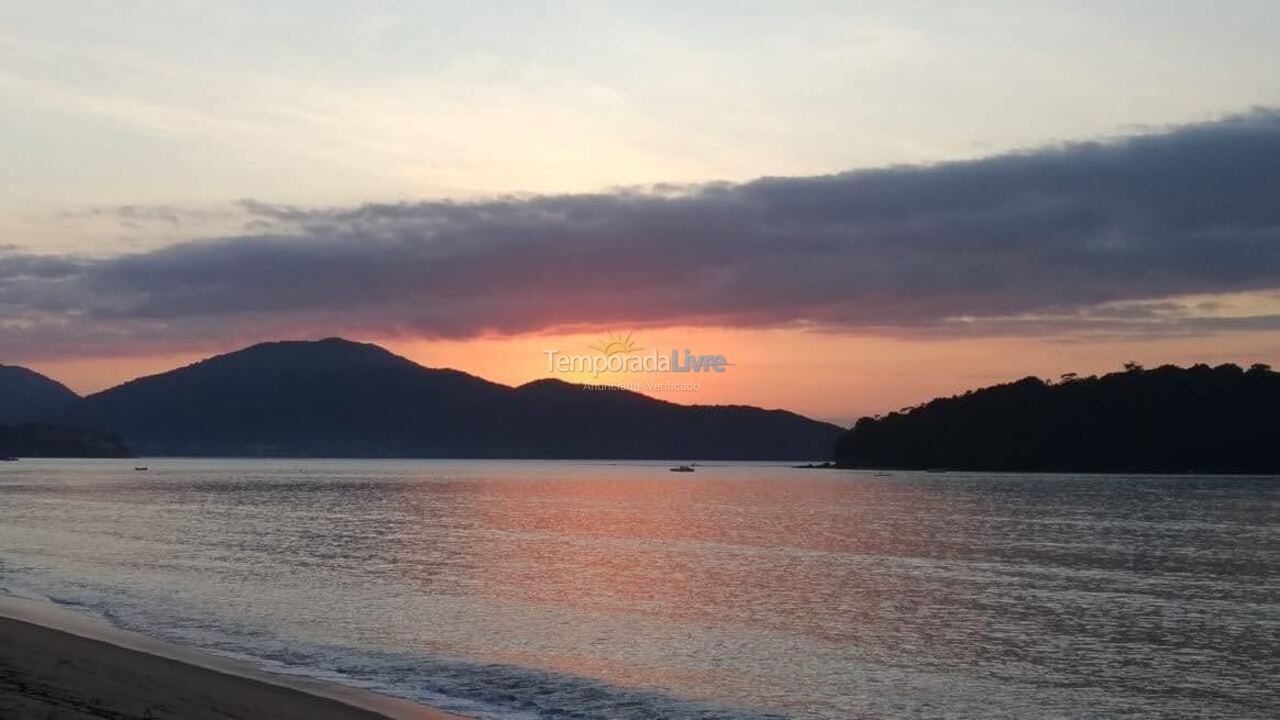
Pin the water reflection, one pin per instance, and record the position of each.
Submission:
(813, 594)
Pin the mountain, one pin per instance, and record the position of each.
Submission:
(28, 396)
(336, 398)
(552, 418)
(36, 440)
(1170, 419)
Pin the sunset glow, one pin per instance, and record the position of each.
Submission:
(828, 376)
(832, 205)
(661, 360)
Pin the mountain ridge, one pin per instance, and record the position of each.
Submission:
(338, 398)
(29, 396)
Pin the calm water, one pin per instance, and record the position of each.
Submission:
(580, 590)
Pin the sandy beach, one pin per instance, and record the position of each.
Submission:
(48, 673)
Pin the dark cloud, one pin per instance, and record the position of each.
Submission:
(1042, 241)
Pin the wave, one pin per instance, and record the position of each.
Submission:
(482, 690)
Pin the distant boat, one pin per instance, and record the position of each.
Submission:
(142, 468)
(8, 459)
(682, 468)
(936, 470)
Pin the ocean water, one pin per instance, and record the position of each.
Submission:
(507, 590)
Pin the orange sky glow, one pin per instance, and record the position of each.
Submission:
(835, 377)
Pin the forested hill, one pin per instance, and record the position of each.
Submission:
(1169, 419)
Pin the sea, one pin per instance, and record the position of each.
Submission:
(530, 590)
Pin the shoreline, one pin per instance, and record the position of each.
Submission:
(55, 662)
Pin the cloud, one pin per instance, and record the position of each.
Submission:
(1045, 241)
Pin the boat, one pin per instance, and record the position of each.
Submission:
(142, 468)
(682, 468)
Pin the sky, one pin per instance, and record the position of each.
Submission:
(860, 205)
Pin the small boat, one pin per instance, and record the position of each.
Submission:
(682, 468)
(142, 468)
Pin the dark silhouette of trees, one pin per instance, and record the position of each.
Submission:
(37, 440)
(1168, 419)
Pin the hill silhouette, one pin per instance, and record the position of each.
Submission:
(28, 396)
(1169, 419)
(336, 398)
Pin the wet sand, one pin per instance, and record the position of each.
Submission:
(48, 673)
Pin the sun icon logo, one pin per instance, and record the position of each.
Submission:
(616, 345)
